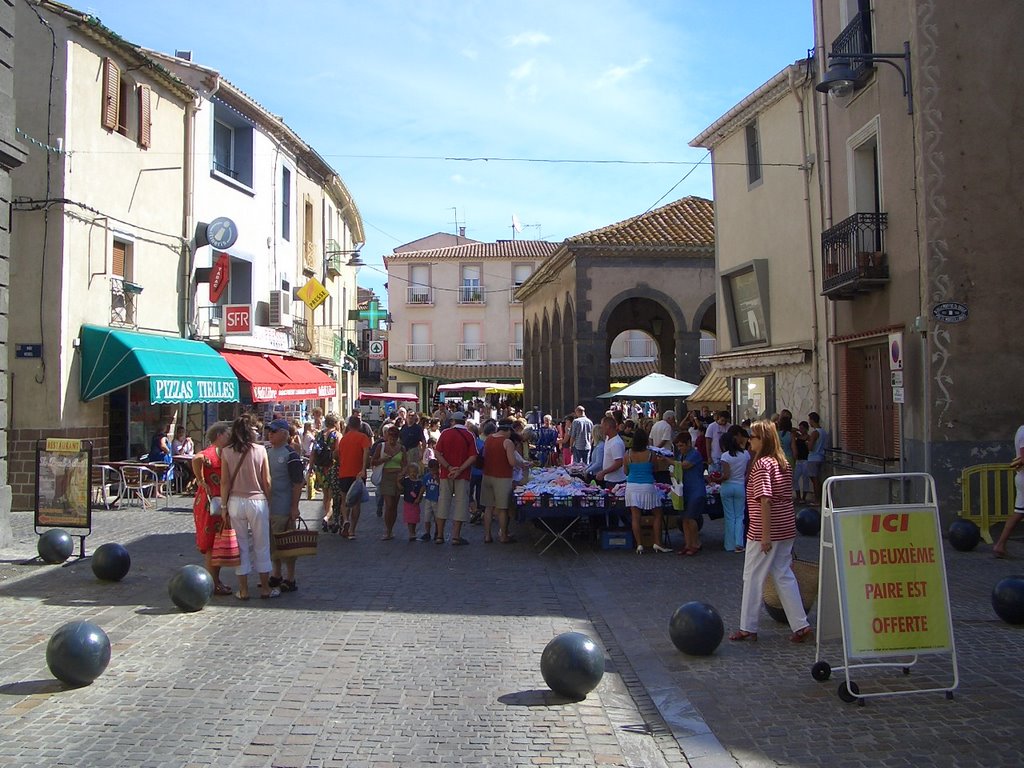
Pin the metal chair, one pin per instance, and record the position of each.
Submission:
(107, 486)
(140, 483)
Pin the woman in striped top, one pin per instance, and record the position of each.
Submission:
(770, 535)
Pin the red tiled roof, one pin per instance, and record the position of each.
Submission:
(503, 249)
(689, 221)
(454, 372)
(632, 370)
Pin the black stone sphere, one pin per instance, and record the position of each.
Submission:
(572, 665)
(55, 546)
(110, 562)
(964, 535)
(808, 521)
(696, 628)
(78, 653)
(1008, 599)
(191, 588)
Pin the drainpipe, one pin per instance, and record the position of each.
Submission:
(186, 220)
(795, 87)
(826, 203)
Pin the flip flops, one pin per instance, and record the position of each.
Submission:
(740, 636)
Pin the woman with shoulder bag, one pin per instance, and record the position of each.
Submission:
(206, 509)
(244, 493)
(392, 456)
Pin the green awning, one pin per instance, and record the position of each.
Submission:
(179, 370)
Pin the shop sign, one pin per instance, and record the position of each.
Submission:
(237, 319)
(950, 312)
(191, 390)
(63, 483)
(313, 293)
(219, 277)
(221, 233)
(376, 348)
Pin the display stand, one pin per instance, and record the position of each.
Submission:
(882, 585)
(63, 488)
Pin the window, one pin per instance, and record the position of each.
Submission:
(471, 290)
(127, 107)
(754, 397)
(419, 284)
(520, 274)
(472, 348)
(286, 204)
(232, 147)
(745, 292)
(123, 292)
(121, 264)
(753, 154)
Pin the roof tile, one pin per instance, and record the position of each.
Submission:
(503, 249)
(689, 221)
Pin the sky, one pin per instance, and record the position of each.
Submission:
(394, 93)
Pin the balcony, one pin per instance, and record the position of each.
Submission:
(856, 38)
(300, 335)
(326, 344)
(708, 347)
(123, 295)
(512, 294)
(419, 294)
(635, 349)
(853, 256)
(419, 353)
(472, 294)
(515, 351)
(472, 353)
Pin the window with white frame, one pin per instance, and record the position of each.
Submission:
(419, 284)
(520, 274)
(471, 290)
(472, 347)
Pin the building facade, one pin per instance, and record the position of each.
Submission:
(920, 244)
(772, 350)
(454, 313)
(12, 155)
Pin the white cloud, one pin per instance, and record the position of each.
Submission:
(471, 53)
(523, 71)
(616, 74)
(531, 39)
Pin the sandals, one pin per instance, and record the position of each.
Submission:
(458, 541)
(802, 635)
(240, 596)
(740, 636)
(289, 586)
(275, 592)
(222, 589)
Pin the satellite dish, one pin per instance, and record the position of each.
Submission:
(515, 223)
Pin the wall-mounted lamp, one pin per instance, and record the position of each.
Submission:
(840, 79)
(656, 325)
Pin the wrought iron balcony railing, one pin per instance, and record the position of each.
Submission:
(472, 294)
(123, 296)
(515, 351)
(853, 256)
(474, 352)
(419, 294)
(856, 38)
(419, 353)
(300, 335)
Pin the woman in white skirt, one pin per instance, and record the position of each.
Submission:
(642, 494)
(770, 536)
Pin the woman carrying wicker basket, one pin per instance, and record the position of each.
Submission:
(770, 536)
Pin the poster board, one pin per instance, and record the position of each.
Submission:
(63, 483)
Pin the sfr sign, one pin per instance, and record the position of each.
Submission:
(237, 319)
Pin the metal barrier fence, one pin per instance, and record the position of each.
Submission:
(988, 493)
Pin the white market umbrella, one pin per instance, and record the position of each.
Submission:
(655, 385)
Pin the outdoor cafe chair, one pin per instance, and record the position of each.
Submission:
(140, 483)
(107, 486)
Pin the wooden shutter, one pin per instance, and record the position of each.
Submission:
(120, 250)
(111, 92)
(145, 123)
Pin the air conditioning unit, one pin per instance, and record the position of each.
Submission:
(280, 309)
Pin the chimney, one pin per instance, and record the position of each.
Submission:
(184, 55)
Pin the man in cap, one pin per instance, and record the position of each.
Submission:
(456, 455)
(286, 481)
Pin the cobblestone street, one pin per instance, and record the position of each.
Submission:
(403, 654)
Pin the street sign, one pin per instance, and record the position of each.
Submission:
(313, 293)
(28, 350)
(896, 351)
(950, 312)
(376, 348)
(219, 277)
(897, 394)
(221, 233)
(237, 319)
(897, 378)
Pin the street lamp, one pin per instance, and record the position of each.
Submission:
(840, 79)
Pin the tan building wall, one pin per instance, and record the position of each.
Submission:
(775, 219)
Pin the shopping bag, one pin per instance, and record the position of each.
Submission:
(296, 542)
(225, 549)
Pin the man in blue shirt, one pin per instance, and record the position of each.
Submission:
(693, 490)
(286, 481)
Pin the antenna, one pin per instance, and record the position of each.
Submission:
(516, 226)
(460, 226)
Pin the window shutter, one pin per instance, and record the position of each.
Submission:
(120, 249)
(111, 91)
(145, 124)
